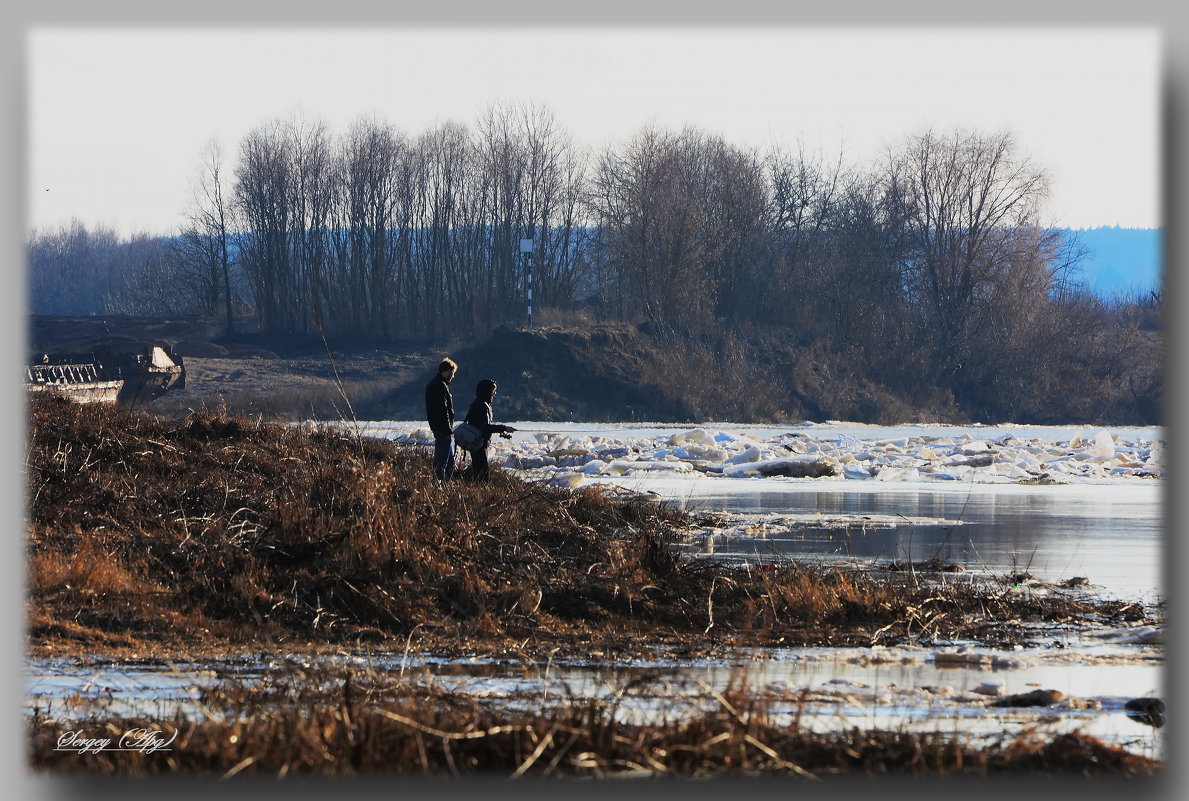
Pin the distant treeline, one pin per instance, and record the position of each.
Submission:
(930, 270)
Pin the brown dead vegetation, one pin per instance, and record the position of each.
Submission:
(227, 530)
(358, 729)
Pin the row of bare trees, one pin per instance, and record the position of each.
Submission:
(377, 233)
(930, 268)
(75, 270)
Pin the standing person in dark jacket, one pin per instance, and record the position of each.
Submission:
(480, 416)
(439, 409)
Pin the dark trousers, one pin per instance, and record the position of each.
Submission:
(443, 455)
(478, 471)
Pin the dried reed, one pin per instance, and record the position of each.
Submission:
(227, 528)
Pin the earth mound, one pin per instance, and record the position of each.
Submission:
(602, 373)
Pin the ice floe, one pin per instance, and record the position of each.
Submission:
(916, 453)
(1134, 635)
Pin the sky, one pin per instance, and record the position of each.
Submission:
(117, 116)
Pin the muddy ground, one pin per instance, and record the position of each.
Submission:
(277, 377)
(590, 373)
(601, 373)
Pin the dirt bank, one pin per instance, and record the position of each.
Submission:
(619, 372)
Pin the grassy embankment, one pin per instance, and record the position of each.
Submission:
(164, 539)
(225, 530)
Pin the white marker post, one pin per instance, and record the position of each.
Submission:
(526, 248)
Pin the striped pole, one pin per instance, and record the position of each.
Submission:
(526, 247)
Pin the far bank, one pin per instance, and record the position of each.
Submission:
(610, 372)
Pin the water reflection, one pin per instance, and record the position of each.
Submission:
(1110, 534)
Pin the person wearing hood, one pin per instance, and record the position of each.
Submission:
(439, 409)
(480, 416)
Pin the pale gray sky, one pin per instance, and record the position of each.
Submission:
(117, 116)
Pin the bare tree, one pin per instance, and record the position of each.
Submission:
(503, 163)
(149, 273)
(550, 173)
(262, 197)
(204, 245)
(73, 270)
(806, 195)
(859, 299)
(651, 200)
(284, 194)
(737, 228)
(972, 207)
(444, 279)
(530, 182)
(367, 228)
(312, 197)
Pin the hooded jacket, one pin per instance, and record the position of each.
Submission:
(480, 414)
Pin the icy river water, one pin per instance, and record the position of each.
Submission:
(1109, 534)
(1056, 503)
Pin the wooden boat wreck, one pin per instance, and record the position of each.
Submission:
(109, 373)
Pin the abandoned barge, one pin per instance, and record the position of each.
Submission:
(108, 374)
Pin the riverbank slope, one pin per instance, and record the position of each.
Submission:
(221, 530)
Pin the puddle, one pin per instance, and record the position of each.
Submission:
(942, 690)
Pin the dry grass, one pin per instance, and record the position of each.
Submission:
(225, 528)
(360, 727)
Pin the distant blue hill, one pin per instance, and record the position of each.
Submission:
(1120, 261)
